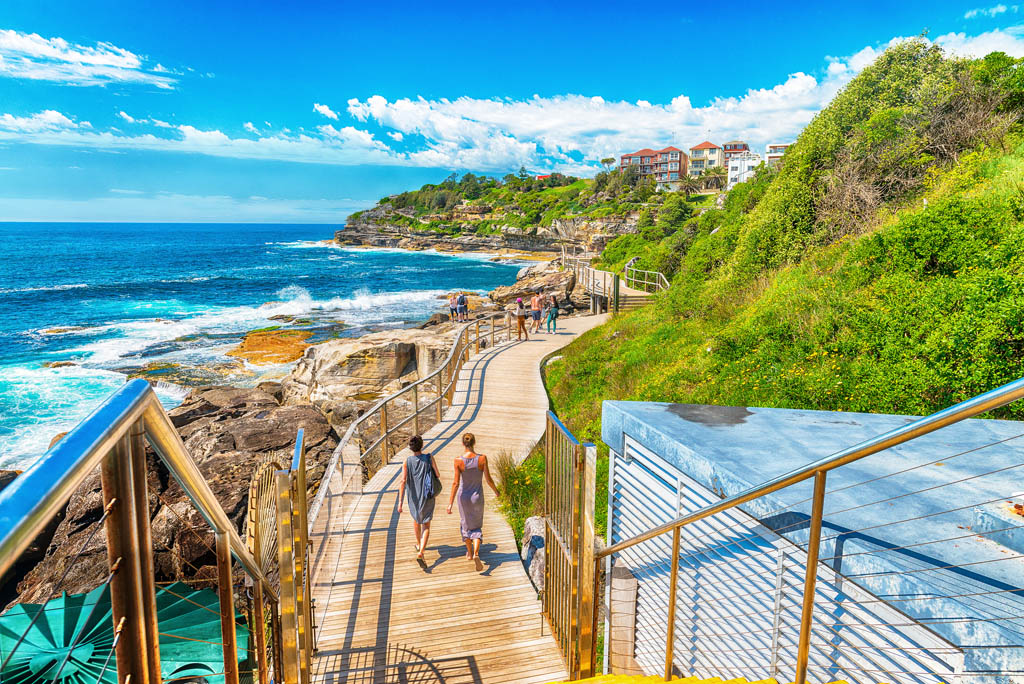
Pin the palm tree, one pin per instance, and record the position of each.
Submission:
(689, 185)
(714, 177)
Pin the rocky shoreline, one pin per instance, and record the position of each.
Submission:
(230, 431)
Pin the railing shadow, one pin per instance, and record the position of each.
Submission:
(394, 664)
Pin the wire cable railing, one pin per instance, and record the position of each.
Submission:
(771, 582)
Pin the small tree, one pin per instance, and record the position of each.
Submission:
(689, 185)
(608, 163)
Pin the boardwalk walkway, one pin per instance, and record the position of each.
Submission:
(389, 619)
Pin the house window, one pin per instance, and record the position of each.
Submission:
(673, 176)
(674, 166)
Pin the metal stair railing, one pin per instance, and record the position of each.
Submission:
(646, 281)
(905, 637)
(113, 440)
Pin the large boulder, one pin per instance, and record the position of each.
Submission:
(340, 370)
(545, 278)
(532, 550)
(228, 432)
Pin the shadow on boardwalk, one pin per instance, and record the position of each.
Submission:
(393, 619)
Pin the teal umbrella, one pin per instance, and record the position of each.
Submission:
(71, 638)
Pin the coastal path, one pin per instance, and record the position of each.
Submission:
(612, 292)
(385, 617)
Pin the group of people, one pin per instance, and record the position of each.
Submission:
(458, 306)
(542, 308)
(420, 486)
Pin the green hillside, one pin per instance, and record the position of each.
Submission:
(880, 270)
(520, 200)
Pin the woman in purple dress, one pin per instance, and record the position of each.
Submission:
(470, 472)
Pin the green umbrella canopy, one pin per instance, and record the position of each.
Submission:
(70, 642)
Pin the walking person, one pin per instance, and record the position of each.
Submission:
(453, 307)
(520, 315)
(535, 304)
(463, 304)
(422, 480)
(470, 473)
(552, 314)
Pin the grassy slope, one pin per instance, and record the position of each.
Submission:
(920, 309)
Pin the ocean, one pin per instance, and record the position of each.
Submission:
(104, 300)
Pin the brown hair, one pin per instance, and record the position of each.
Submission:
(416, 443)
(468, 440)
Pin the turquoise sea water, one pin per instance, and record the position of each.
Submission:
(116, 297)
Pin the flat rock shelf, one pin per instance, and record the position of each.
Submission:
(390, 619)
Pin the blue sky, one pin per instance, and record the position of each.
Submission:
(270, 111)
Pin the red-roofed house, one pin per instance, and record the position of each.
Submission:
(665, 165)
(735, 148)
(705, 156)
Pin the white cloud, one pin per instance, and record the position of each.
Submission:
(30, 56)
(345, 146)
(47, 121)
(993, 11)
(962, 45)
(567, 133)
(325, 110)
(126, 117)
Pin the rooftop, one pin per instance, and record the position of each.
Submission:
(706, 146)
(960, 479)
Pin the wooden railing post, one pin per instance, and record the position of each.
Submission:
(226, 594)
(810, 578)
(440, 389)
(476, 339)
(670, 638)
(129, 549)
(385, 456)
(286, 563)
(416, 409)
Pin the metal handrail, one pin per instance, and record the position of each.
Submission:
(638, 276)
(458, 347)
(35, 496)
(1001, 396)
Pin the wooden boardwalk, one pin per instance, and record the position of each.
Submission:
(391, 619)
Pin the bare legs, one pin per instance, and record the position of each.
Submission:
(472, 548)
(422, 535)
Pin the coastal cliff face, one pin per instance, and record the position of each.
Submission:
(383, 226)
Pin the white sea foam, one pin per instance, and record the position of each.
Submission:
(48, 288)
(55, 398)
(305, 244)
(125, 338)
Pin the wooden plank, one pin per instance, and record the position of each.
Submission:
(384, 617)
